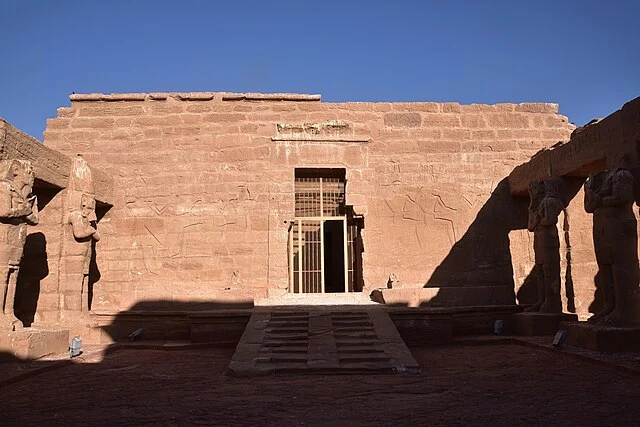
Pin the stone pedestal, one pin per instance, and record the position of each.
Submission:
(535, 324)
(33, 343)
(602, 338)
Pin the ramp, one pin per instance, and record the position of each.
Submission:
(321, 342)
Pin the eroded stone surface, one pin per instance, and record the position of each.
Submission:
(33, 343)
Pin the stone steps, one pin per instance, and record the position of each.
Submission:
(321, 342)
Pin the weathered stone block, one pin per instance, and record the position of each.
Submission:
(402, 120)
(33, 343)
(602, 338)
(507, 120)
(536, 324)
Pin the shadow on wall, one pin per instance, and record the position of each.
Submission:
(94, 272)
(527, 294)
(34, 267)
(598, 300)
(482, 258)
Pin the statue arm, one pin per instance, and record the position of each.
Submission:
(591, 199)
(81, 227)
(533, 220)
(5, 203)
(32, 218)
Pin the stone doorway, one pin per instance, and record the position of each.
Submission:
(324, 237)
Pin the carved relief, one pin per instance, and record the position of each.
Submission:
(609, 196)
(18, 207)
(544, 207)
(331, 130)
(80, 233)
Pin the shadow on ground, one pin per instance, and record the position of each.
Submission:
(460, 384)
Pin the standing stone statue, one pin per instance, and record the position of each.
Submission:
(544, 208)
(80, 233)
(609, 196)
(18, 207)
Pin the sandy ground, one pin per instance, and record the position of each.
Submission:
(459, 385)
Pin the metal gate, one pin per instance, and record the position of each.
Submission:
(307, 256)
(318, 199)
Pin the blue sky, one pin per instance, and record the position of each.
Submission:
(584, 55)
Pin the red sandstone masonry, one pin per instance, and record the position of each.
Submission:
(204, 183)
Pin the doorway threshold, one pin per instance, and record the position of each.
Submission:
(327, 299)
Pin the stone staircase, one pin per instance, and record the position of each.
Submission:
(322, 341)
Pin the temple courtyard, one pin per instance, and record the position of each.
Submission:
(471, 381)
(221, 258)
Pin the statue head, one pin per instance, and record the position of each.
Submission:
(19, 173)
(88, 207)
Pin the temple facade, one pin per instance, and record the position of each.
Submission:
(232, 197)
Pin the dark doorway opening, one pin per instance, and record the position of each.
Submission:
(333, 256)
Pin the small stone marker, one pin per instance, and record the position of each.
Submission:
(75, 348)
(559, 338)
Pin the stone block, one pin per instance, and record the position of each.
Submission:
(473, 121)
(402, 120)
(441, 120)
(536, 324)
(602, 338)
(451, 107)
(33, 343)
(483, 135)
(417, 329)
(537, 107)
(222, 329)
(445, 296)
(102, 110)
(507, 120)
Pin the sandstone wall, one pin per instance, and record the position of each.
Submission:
(205, 182)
